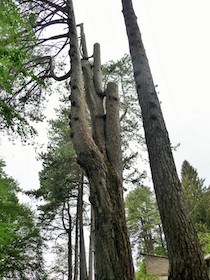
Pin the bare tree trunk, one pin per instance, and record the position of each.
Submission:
(100, 160)
(83, 263)
(147, 236)
(91, 245)
(68, 231)
(69, 244)
(76, 241)
(185, 257)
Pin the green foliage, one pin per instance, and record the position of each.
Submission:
(20, 241)
(13, 121)
(14, 27)
(141, 273)
(18, 75)
(204, 237)
(121, 73)
(59, 181)
(197, 197)
(60, 174)
(144, 222)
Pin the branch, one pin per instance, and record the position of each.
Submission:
(56, 37)
(53, 75)
(61, 78)
(62, 217)
(43, 25)
(53, 5)
(48, 17)
(125, 111)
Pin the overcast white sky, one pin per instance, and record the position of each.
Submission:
(176, 35)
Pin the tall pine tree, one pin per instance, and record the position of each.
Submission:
(184, 251)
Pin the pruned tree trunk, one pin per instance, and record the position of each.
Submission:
(185, 257)
(100, 160)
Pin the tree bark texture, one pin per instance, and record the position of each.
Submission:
(101, 162)
(185, 257)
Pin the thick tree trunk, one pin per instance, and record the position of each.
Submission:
(185, 257)
(92, 145)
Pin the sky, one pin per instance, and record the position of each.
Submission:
(176, 35)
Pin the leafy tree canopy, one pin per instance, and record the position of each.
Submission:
(20, 241)
(60, 174)
(197, 197)
(19, 74)
(144, 222)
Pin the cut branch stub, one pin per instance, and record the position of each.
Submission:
(83, 42)
(97, 74)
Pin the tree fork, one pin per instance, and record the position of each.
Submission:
(113, 253)
(185, 256)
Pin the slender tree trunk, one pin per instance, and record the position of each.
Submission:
(83, 263)
(69, 244)
(97, 150)
(68, 231)
(76, 240)
(91, 246)
(185, 257)
(147, 236)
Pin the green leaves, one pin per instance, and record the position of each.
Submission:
(197, 198)
(18, 75)
(20, 241)
(143, 221)
(16, 34)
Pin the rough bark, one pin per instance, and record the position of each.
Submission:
(162, 241)
(112, 132)
(112, 248)
(185, 257)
